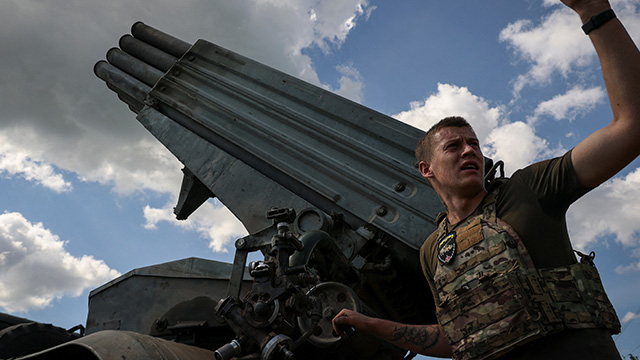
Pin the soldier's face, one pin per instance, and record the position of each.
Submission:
(456, 163)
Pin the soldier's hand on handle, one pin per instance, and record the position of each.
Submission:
(348, 322)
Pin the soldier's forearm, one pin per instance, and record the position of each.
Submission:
(620, 62)
(427, 340)
(615, 145)
(423, 339)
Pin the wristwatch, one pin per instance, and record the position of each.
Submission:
(598, 20)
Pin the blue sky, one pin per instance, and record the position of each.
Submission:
(87, 193)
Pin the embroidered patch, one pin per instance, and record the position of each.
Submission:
(447, 248)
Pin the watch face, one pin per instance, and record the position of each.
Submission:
(447, 248)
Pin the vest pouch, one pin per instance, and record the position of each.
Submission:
(579, 297)
(490, 318)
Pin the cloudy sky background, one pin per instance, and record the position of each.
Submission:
(87, 194)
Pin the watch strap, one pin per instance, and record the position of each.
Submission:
(598, 20)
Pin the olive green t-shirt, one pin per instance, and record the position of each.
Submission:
(534, 202)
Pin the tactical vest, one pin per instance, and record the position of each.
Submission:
(492, 297)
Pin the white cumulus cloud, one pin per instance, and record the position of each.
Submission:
(628, 317)
(35, 268)
(332, 21)
(610, 209)
(517, 145)
(351, 83)
(452, 100)
(557, 44)
(77, 125)
(632, 267)
(17, 161)
(213, 222)
(576, 101)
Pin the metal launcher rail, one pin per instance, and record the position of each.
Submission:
(226, 117)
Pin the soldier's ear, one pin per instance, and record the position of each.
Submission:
(425, 169)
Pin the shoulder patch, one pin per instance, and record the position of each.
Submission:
(447, 248)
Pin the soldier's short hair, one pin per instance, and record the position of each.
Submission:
(423, 148)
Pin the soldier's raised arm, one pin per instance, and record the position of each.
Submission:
(608, 150)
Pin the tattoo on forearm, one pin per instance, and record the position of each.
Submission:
(423, 336)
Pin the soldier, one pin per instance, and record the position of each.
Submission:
(500, 265)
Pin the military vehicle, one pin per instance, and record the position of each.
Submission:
(327, 189)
